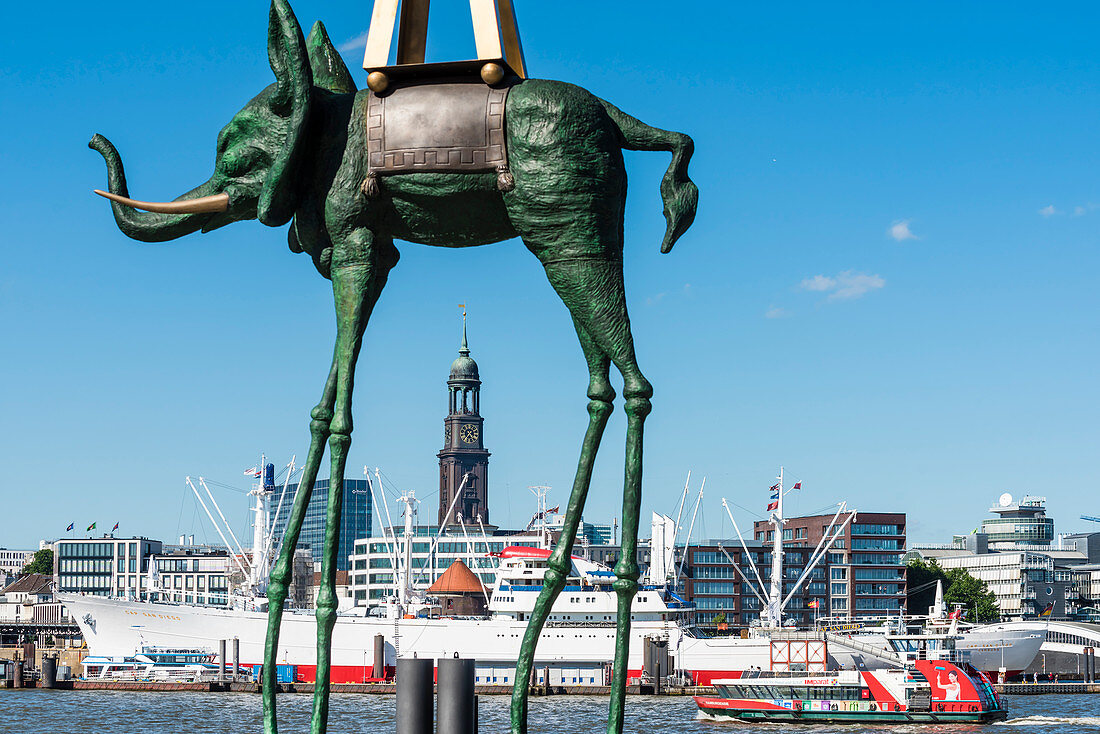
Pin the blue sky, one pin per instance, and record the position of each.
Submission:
(889, 288)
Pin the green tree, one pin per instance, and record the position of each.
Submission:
(720, 618)
(920, 576)
(41, 563)
(979, 601)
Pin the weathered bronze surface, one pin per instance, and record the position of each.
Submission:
(299, 152)
(437, 127)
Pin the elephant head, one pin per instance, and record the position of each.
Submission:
(260, 153)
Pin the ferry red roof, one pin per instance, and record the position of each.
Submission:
(523, 551)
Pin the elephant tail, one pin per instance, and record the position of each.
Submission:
(679, 192)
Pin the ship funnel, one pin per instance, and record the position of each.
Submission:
(183, 540)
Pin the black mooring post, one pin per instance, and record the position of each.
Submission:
(221, 660)
(455, 712)
(414, 695)
(49, 672)
(379, 669)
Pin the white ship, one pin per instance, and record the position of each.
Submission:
(576, 646)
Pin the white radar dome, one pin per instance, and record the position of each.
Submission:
(1005, 500)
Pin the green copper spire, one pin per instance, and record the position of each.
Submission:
(465, 350)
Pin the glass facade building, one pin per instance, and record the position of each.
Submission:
(355, 523)
(1022, 525)
(103, 566)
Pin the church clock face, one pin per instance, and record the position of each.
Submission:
(468, 433)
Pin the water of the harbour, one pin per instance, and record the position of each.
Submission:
(112, 712)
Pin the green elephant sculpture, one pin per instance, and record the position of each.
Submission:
(298, 153)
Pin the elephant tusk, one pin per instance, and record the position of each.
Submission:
(215, 203)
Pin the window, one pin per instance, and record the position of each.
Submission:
(715, 587)
(876, 589)
(838, 573)
(878, 574)
(875, 529)
(876, 559)
(890, 604)
(875, 543)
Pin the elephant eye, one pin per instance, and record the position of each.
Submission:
(240, 162)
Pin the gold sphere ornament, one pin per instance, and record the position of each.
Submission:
(377, 81)
(492, 73)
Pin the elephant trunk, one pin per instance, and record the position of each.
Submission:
(152, 226)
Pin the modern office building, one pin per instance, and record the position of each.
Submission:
(191, 576)
(103, 566)
(355, 520)
(1019, 525)
(1023, 562)
(13, 561)
(374, 574)
(866, 573)
(715, 576)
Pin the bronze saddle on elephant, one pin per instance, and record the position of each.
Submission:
(442, 126)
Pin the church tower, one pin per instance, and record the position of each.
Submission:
(463, 443)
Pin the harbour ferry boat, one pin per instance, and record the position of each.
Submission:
(935, 685)
(179, 665)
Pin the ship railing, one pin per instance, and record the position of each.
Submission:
(571, 623)
(863, 647)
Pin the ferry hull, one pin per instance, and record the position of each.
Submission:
(720, 708)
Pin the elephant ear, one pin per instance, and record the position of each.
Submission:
(286, 51)
(329, 70)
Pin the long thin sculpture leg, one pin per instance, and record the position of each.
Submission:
(601, 395)
(626, 570)
(592, 288)
(282, 573)
(356, 288)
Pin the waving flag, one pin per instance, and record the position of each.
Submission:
(797, 485)
(70, 527)
(774, 504)
(253, 472)
(957, 614)
(90, 528)
(814, 604)
(115, 527)
(1048, 611)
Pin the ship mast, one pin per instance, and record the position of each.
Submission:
(775, 597)
(258, 579)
